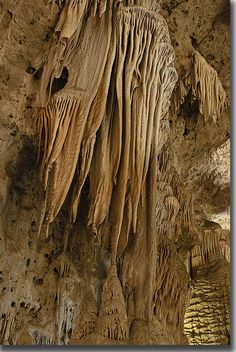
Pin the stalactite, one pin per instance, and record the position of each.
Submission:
(141, 59)
(176, 185)
(164, 164)
(65, 264)
(188, 213)
(108, 131)
(73, 115)
(204, 86)
(172, 205)
(58, 122)
(212, 243)
(208, 89)
(69, 128)
(100, 178)
(96, 114)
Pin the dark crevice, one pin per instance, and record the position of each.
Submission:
(194, 42)
(190, 107)
(59, 83)
(186, 131)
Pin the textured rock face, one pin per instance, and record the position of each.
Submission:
(114, 212)
(207, 319)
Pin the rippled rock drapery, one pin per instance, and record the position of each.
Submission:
(94, 126)
(104, 124)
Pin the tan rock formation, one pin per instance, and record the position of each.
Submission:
(109, 182)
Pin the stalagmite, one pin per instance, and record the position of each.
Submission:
(87, 316)
(112, 321)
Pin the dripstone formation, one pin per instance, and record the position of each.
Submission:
(107, 231)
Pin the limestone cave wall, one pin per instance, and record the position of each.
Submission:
(114, 172)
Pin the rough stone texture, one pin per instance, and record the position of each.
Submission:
(55, 294)
(197, 25)
(202, 152)
(207, 319)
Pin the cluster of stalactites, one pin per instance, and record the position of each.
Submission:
(179, 206)
(63, 123)
(85, 133)
(204, 86)
(212, 243)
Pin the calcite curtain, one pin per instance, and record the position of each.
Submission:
(103, 124)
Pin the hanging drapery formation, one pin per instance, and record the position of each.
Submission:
(214, 242)
(67, 130)
(103, 122)
(204, 86)
(96, 126)
(208, 89)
